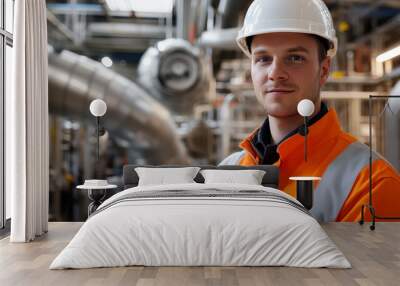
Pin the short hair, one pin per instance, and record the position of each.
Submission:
(323, 46)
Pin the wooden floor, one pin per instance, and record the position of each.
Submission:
(375, 256)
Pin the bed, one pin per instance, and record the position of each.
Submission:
(201, 224)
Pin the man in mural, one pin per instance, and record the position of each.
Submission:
(290, 44)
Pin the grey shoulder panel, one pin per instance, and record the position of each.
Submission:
(233, 159)
(337, 181)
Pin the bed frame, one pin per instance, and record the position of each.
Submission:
(270, 179)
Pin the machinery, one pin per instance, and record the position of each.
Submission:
(174, 72)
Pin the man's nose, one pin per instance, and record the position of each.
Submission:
(277, 71)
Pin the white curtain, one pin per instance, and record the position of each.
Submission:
(27, 124)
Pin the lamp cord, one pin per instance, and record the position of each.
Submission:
(305, 138)
(98, 135)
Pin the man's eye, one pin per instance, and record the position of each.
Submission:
(263, 59)
(296, 59)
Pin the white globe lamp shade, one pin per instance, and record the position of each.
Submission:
(305, 107)
(98, 107)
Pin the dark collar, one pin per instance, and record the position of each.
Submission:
(262, 141)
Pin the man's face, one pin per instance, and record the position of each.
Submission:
(285, 69)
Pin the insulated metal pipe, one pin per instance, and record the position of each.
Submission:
(75, 80)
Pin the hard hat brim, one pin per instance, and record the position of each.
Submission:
(241, 40)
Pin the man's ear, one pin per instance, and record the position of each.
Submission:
(325, 68)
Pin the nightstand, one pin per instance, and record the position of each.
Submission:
(96, 194)
(305, 189)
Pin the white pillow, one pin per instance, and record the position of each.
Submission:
(248, 177)
(162, 176)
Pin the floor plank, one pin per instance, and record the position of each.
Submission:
(375, 257)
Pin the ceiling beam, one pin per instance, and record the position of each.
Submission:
(129, 30)
(117, 44)
(381, 30)
(61, 27)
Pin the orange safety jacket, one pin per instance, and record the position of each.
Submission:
(343, 164)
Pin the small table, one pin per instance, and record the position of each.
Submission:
(96, 194)
(304, 190)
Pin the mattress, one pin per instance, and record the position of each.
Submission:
(201, 225)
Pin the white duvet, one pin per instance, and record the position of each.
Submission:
(185, 231)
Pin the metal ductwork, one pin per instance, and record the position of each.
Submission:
(222, 39)
(129, 30)
(228, 11)
(175, 73)
(74, 81)
(392, 128)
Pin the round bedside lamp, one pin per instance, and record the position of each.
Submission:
(98, 108)
(96, 188)
(304, 185)
(305, 108)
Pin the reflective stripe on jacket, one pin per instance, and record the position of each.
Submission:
(343, 164)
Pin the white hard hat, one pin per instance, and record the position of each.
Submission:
(297, 16)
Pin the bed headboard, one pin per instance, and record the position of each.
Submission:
(270, 179)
